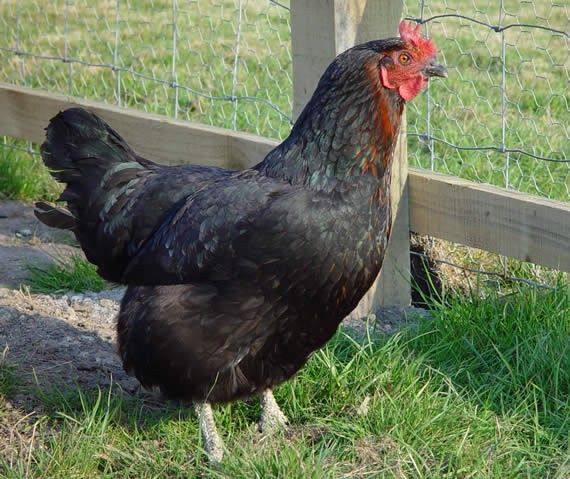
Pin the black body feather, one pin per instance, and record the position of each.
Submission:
(236, 278)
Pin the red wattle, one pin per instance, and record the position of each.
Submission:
(409, 90)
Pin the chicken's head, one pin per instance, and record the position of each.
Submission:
(408, 68)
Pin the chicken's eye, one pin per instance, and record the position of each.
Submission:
(404, 58)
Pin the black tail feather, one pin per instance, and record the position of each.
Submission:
(115, 199)
(95, 163)
(54, 216)
(80, 146)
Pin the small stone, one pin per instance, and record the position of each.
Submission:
(24, 233)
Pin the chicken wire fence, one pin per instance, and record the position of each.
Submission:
(500, 118)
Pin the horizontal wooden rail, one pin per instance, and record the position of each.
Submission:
(25, 112)
(513, 224)
(506, 222)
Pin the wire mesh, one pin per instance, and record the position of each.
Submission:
(502, 115)
(224, 62)
(500, 118)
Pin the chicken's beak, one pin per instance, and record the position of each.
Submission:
(434, 69)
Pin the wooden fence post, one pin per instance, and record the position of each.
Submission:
(320, 30)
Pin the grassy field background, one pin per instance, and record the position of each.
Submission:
(135, 68)
(482, 390)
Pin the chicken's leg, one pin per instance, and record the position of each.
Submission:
(212, 441)
(271, 414)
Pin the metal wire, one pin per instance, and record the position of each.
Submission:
(128, 47)
(170, 83)
(235, 68)
(505, 103)
(498, 149)
(495, 28)
(501, 276)
(505, 122)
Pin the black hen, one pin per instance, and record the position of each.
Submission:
(236, 278)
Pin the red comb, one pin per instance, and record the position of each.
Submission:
(411, 34)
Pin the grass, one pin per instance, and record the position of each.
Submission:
(466, 107)
(23, 177)
(459, 267)
(204, 61)
(466, 110)
(63, 275)
(481, 390)
(8, 379)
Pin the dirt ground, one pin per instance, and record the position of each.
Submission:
(57, 338)
(64, 340)
(49, 341)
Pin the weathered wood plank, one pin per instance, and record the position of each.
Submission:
(506, 222)
(321, 29)
(25, 112)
